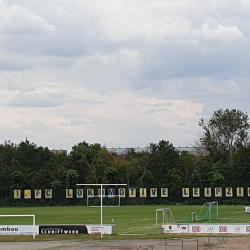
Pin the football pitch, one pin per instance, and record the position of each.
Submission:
(127, 219)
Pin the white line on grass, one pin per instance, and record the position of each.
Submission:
(138, 229)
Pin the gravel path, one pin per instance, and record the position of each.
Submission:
(236, 243)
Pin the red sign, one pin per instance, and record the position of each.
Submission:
(183, 228)
(222, 228)
(196, 229)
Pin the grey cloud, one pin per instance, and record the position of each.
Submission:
(87, 101)
(166, 51)
(182, 124)
(159, 104)
(18, 20)
(35, 125)
(64, 123)
(37, 100)
(151, 111)
(15, 81)
(129, 105)
(76, 122)
(162, 110)
(184, 61)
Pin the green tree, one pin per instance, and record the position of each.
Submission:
(111, 175)
(162, 160)
(130, 171)
(186, 165)
(41, 179)
(224, 132)
(205, 165)
(195, 179)
(97, 166)
(82, 157)
(217, 180)
(31, 156)
(18, 179)
(57, 189)
(72, 179)
(148, 179)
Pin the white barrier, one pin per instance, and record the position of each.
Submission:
(208, 228)
(19, 229)
(100, 229)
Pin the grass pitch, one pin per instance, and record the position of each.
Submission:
(127, 219)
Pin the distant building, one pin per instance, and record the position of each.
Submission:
(121, 151)
(191, 150)
(59, 151)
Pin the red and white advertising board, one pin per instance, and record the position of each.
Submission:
(97, 229)
(208, 228)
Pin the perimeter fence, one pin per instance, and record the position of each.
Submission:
(202, 243)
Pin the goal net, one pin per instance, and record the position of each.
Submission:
(209, 211)
(192, 217)
(108, 201)
(164, 216)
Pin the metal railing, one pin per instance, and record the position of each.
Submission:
(195, 244)
(147, 247)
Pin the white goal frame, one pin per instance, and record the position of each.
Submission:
(104, 196)
(209, 209)
(24, 215)
(164, 216)
(101, 195)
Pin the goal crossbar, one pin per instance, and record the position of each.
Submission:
(24, 215)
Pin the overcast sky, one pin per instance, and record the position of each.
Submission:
(122, 73)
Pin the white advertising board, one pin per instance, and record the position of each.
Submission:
(208, 228)
(97, 229)
(18, 229)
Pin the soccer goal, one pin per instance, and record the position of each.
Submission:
(209, 211)
(106, 199)
(166, 217)
(27, 231)
(192, 217)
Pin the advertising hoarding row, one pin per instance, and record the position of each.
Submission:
(55, 229)
(208, 228)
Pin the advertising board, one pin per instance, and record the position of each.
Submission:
(97, 229)
(18, 229)
(63, 229)
(208, 228)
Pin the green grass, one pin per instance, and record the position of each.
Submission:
(127, 219)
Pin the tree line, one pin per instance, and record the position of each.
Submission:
(226, 164)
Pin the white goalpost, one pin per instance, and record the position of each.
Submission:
(25, 215)
(101, 196)
(206, 211)
(167, 216)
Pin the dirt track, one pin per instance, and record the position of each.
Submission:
(236, 243)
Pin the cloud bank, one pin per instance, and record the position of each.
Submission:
(123, 73)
